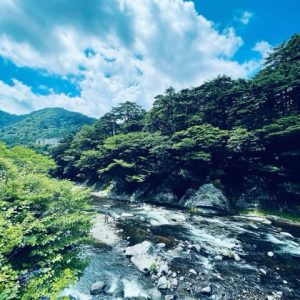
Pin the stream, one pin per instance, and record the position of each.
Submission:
(237, 257)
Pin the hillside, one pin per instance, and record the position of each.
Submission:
(49, 123)
(7, 118)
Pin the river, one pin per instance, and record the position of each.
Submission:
(237, 257)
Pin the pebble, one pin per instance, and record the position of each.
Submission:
(285, 282)
(193, 271)
(218, 257)
(181, 278)
(161, 245)
(270, 254)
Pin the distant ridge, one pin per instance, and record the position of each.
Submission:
(48, 123)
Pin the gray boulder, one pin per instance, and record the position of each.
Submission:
(209, 199)
(142, 256)
(98, 288)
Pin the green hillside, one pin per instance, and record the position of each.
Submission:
(49, 123)
(7, 118)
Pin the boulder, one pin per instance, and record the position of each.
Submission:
(142, 256)
(209, 199)
(163, 283)
(98, 288)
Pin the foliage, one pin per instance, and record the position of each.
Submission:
(225, 130)
(42, 226)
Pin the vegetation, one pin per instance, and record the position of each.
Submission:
(7, 119)
(42, 227)
(47, 123)
(226, 131)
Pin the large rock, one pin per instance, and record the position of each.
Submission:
(98, 288)
(209, 199)
(142, 256)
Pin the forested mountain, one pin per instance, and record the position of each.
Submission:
(47, 123)
(7, 119)
(243, 135)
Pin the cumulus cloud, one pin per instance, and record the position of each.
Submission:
(115, 50)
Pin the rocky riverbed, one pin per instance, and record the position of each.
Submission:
(152, 252)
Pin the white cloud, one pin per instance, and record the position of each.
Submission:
(263, 48)
(244, 17)
(139, 49)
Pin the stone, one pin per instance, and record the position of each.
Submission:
(174, 274)
(192, 271)
(270, 254)
(209, 198)
(142, 256)
(181, 278)
(161, 245)
(97, 288)
(206, 290)
(163, 269)
(175, 282)
(218, 257)
(163, 283)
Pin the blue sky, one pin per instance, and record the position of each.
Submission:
(87, 56)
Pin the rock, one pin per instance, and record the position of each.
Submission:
(98, 288)
(142, 256)
(263, 271)
(161, 245)
(181, 278)
(163, 269)
(270, 254)
(142, 248)
(174, 274)
(269, 297)
(287, 234)
(209, 198)
(218, 257)
(192, 271)
(206, 290)
(163, 283)
(175, 282)
(285, 282)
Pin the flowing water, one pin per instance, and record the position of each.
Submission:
(245, 272)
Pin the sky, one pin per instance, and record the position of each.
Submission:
(90, 55)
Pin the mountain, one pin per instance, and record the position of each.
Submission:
(7, 118)
(41, 127)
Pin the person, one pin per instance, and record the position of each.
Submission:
(106, 219)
